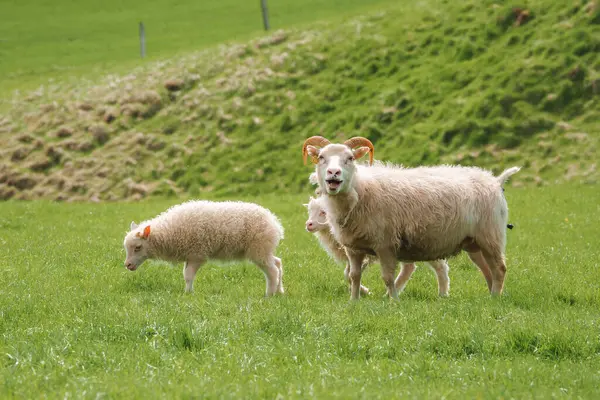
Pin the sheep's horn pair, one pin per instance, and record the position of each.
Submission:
(319, 141)
(361, 141)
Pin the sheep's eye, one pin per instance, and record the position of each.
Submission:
(137, 248)
(322, 213)
(351, 159)
(321, 158)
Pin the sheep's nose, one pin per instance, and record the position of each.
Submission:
(334, 171)
(127, 265)
(309, 225)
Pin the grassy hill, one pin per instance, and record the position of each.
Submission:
(487, 83)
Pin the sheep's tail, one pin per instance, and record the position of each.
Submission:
(503, 177)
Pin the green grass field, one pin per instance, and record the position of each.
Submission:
(56, 40)
(74, 323)
(428, 81)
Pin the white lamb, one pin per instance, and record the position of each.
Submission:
(317, 224)
(410, 214)
(197, 231)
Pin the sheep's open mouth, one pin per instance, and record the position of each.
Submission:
(333, 184)
(132, 267)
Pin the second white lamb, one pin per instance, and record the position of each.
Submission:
(197, 231)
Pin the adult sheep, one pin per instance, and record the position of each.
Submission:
(410, 214)
(318, 225)
(197, 231)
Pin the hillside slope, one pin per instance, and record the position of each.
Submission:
(480, 83)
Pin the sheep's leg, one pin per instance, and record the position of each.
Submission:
(356, 260)
(388, 271)
(272, 273)
(440, 267)
(479, 260)
(347, 274)
(495, 261)
(189, 273)
(363, 289)
(404, 275)
(280, 268)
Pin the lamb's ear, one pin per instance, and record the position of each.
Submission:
(360, 152)
(313, 178)
(133, 225)
(146, 232)
(310, 200)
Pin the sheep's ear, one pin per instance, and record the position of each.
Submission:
(360, 152)
(305, 205)
(313, 178)
(146, 232)
(313, 152)
(133, 226)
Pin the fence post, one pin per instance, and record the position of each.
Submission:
(142, 40)
(265, 14)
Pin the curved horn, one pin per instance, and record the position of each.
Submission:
(361, 141)
(319, 141)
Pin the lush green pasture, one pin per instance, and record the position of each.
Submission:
(75, 323)
(54, 39)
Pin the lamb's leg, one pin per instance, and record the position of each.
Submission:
(189, 273)
(272, 273)
(280, 268)
(404, 275)
(363, 289)
(388, 262)
(356, 259)
(479, 260)
(440, 267)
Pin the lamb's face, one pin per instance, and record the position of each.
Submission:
(335, 167)
(317, 218)
(136, 247)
